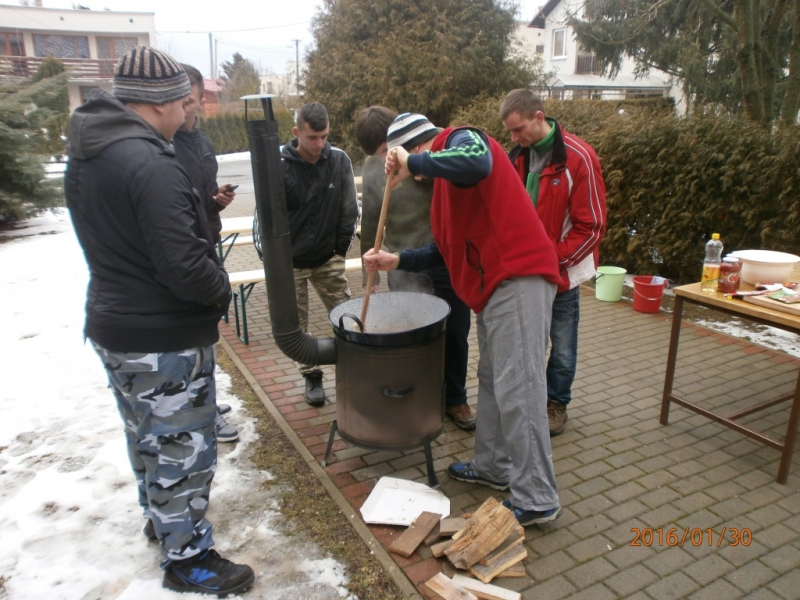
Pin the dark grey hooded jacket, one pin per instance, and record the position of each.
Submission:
(156, 284)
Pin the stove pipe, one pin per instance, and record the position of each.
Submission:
(276, 245)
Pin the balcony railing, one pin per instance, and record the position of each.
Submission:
(79, 68)
(587, 65)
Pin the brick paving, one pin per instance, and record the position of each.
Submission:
(618, 469)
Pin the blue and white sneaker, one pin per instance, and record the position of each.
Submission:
(208, 573)
(532, 517)
(463, 471)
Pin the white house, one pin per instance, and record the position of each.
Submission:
(88, 42)
(576, 70)
(285, 84)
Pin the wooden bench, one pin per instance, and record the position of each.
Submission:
(243, 283)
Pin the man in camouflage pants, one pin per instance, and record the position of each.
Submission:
(156, 294)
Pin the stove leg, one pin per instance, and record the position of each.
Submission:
(432, 481)
(330, 444)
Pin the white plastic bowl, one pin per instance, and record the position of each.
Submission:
(765, 266)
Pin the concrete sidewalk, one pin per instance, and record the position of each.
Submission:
(619, 471)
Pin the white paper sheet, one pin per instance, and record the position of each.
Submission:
(398, 502)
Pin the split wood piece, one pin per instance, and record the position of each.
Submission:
(485, 590)
(517, 570)
(460, 532)
(438, 549)
(413, 536)
(513, 539)
(433, 536)
(441, 585)
(485, 531)
(510, 557)
(451, 525)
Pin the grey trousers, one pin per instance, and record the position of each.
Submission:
(167, 402)
(512, 436)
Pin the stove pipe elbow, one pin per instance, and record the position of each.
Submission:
(276, 244)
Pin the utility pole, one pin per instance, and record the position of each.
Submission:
(216, 58)
(297, 67)
(211, 54)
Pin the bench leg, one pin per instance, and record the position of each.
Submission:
(240, 298)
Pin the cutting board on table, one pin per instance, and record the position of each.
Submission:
(793, 309)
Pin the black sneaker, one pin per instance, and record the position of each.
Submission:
(208, 573)
(315, 395)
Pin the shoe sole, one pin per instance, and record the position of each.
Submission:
(495, 486)
(315, 403)
(227, 440)
(540, 520)
(178, 587)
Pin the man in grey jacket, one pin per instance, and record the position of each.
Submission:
(156, 293)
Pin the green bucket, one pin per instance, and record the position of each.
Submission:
(608, 283)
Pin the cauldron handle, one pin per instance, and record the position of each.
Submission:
(397, 393)
(352, 316)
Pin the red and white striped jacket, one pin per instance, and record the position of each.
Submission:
(571, 204)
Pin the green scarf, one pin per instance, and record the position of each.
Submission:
(543, 147)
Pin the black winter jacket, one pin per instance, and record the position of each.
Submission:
(322, 204)
(198, 158)
(156, 284)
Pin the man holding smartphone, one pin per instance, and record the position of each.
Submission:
(194, 152)
(196, 155)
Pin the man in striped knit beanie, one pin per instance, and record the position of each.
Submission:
(156, 293)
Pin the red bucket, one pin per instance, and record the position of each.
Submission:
(646, 294)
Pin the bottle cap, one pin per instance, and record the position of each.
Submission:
(730, 259)
(714, 236)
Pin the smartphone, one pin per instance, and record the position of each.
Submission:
(230, 188)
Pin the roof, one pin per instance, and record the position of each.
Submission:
(211, 85)
(538, 20)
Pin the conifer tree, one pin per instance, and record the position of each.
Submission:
(25, 110)
(427, 56)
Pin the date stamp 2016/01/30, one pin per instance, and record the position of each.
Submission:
(691, 536)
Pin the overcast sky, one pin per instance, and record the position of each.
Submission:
(263, 31)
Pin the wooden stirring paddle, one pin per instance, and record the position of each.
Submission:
(378, 241)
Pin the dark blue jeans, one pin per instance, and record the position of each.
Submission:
(564, 346)
(456, 346)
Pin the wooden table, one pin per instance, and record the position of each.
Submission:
(691, 293)
(231, 228)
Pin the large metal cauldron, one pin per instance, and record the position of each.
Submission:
(390, 379)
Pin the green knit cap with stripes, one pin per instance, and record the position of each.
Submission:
(145, 75)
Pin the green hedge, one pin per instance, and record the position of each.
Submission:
(671, 181)
(228, 133)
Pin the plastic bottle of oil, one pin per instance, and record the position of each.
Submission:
(711, 264)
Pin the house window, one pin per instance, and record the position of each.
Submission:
(559, 43)
(115, 47)
(61, 46)
(539, 48)
(11, 44)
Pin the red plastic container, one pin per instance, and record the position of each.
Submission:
(646, 294)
